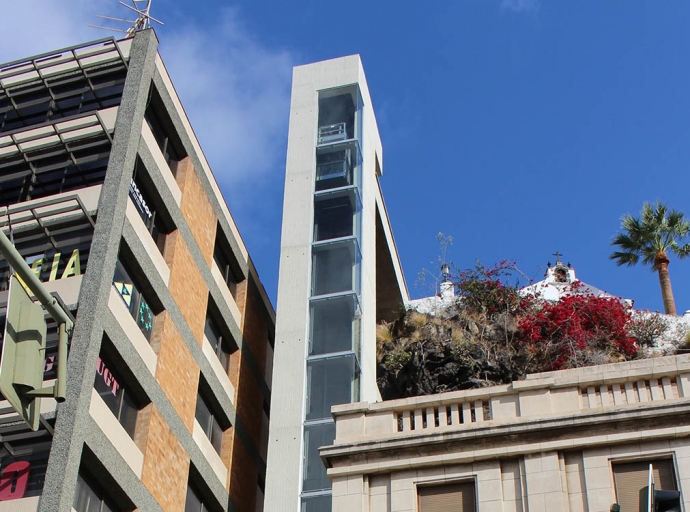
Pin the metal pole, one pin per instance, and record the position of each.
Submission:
(20, 267)
(61, 383)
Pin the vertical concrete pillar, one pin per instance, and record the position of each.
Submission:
(72, 415)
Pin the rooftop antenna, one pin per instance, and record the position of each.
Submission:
(445, 241)
(143, 21)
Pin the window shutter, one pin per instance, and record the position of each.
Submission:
(447, 498)
(632, 477)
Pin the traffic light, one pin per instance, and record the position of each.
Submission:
(23, 353)
(666, 501)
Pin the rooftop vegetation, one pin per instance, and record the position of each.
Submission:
(493, 334)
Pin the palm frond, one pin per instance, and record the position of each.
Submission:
(657, 230)
(677, 224)
(624, 258)
(627, 242)
(682, 251)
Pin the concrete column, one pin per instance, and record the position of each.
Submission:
(66, 453)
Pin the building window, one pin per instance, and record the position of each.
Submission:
(337, 166)
(335, 267)
(22, 476)
(447, 498)
(337, 116)
(217, 340)
(149, 214)
(334, 325)
(220, 256)
(315, 436)
(53, 250)
(209, 424)
(119, 400)
(331, 381)
(162, 128)
(334, 216)
(632, 481)
(53, 170)
(90, 497)
(194, 501)
(68, 95)
(134, 300)
(317, 503)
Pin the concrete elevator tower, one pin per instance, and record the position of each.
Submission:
(339, 275)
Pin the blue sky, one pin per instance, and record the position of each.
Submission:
(518, 127)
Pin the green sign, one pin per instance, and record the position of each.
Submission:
(23, 353)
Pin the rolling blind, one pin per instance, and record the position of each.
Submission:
(447, 498)
(632, 477)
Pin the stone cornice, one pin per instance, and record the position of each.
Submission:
(490, 440)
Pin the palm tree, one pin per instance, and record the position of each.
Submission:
(652, 237)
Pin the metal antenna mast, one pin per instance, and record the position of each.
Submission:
(143, 21)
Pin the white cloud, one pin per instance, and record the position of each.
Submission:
(234, 89)
(236, 93)
(520, 5)
(32, 27)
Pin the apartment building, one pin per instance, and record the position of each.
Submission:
(339, 275)
(106, 193)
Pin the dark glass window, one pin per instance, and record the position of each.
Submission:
(223, 262)
(90, 497)
(333, 218)
(193, 501)
(333, 268)
(67, 95)
(336, 111)
(147, 210)
(53, 170)
(38, 246)
(134, 300)
(334, 169)
(112, 390)
(316, 503)
(163, 132)
(22, 476)
(330, 381)
(334, 325)
(315, 436)
(215, 338)
(209, 423)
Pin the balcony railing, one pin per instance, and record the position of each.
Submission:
(330, 170)
(332, 133)
(594, 389)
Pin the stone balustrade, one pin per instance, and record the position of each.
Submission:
(571, 392)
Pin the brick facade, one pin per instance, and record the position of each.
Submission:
(166, 465)
(243, 482)
(177, 373)
(186, 284)
(197, 209)
(249, 398)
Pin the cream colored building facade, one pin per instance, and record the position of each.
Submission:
(572, 440)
